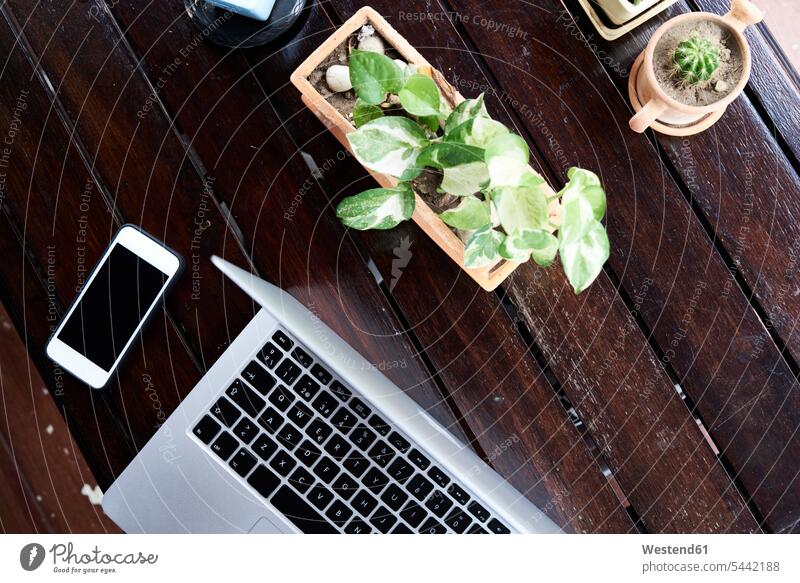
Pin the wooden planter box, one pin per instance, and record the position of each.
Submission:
(488, 277)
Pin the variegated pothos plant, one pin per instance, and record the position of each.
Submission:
(504, 211)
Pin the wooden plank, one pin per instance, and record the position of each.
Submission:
(48, 470)
(625, 402)
(118, 97)
(734, 366)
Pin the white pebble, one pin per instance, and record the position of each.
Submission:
(721, 86)
(338, 78)
(371, 43)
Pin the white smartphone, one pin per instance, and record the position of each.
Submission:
(117, 298)
(256, 9)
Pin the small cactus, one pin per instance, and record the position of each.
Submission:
(696, 59)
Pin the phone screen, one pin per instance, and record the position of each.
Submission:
(111, 308)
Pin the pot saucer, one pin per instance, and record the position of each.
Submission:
(691, 129)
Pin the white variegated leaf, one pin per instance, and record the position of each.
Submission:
(389, 145)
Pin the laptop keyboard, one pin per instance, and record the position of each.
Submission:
(325, 459)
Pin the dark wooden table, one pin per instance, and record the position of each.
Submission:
(664, 399)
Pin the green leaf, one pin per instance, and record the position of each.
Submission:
(583, 242)
(464, 172)
(431, 122)
(542, 244)
(390, 145)
(465, 110)
(373, 75)
(470, 214)
(585, 184)
(583, 259)
(477, 131)
(378, 208)
(420, 96)
(483, 247)
(507, 159)
(521, 207)
(576, 220)
(363, 112)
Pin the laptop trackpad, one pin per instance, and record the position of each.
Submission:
(264, 526)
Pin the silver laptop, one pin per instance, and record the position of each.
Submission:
(292, 431)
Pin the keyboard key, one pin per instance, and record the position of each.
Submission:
(364, 503)
(319, 431)
(458, 520)
(270, 355)
(432, 526)
(224, 445)
(326, 469)
(438, 503)
(418, 459)
(320, 373)
(245, 430)
(362, 437)
(401, 529)
(225, 411)
(375, 480)
(458, 494)
(400, 470)
(287, 371)
(497, 527)
(356, 464)
(300, 414)
(259, 379)
(308, 453)
(344, 420)
(379, 425)
(419, 487)
(357, 526)
(360, 407)
(338, 513)
(478, 511)
(337, 447)
(300, 512)
(394, 497)
(264, 481)
(383, 520)
(242, 462)
(302, 357)
(270, 420)
(477, 529)
(282, 340)
(281, 397)
(341, 392)
(320, 496)
(325, 404)
(282, 463)
(206, 429)
(345, 486)
(381, 454)
(247, 399)
(264, 447)
(413, 514)
(438, 476)
(301, 480)
(399, 442)
(289, 436)
(306, 387)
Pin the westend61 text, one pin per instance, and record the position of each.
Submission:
(675, 550)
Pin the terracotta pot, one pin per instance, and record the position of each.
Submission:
(655, 108)
(487, 277)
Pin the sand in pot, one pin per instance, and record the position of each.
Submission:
(722, 82)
